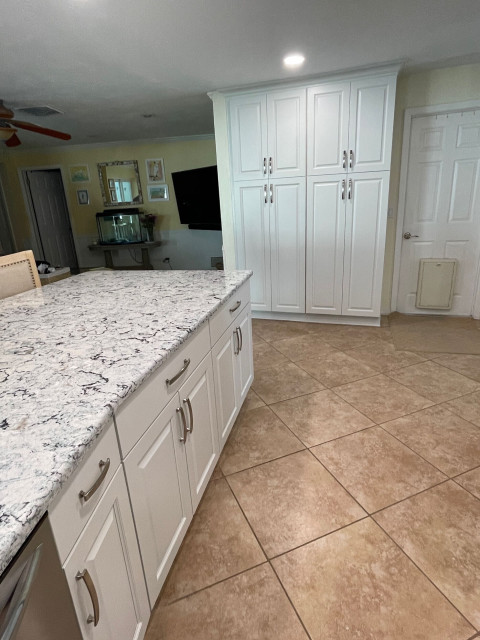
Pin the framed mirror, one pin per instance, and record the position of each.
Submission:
(120, 183)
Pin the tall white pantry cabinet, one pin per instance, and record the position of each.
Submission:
(310, 169)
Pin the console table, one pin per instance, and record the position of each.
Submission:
(108, 248)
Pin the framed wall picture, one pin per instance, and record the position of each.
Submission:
(157, 192)
(82, 196)
(79, 173)
(113, 195)
(155, 170)
(111, 183)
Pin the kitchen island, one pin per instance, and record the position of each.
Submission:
(71, 354)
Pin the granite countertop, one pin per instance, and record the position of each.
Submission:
(70, 354)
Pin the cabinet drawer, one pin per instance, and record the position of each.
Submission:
(138, 412)
(228, 312)
(69, 512)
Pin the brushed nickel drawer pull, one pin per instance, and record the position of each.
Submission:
(190, 411)
(184, 423)
(264, 166)
(344, 161)
(104, 466)
(241, 339)
(92, 592)
(235, 306)
(170, 381)
(350, 164)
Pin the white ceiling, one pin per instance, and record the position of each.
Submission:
(107, 62)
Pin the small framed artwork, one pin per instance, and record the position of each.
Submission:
(113, 195)
(82, 196)
(79, 173)
(157, 192)
(111, 183)
(155, 170)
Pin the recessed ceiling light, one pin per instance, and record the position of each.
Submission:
(294, 60)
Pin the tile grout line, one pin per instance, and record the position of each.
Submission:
(425, 574)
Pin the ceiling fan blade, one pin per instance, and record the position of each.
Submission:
(14, 141)
(28, 126)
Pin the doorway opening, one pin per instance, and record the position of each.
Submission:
(7, 241)
(50, 218)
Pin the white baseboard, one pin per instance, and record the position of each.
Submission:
(320, 319)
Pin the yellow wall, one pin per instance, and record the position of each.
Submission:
(436, 87)
(177, 155)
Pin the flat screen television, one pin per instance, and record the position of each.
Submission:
(198, 202)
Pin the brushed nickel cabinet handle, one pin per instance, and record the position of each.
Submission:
(180, 411)
(190, 411)
(343, 189)
(350, 164)
(344, 161)
(265, 193)
(92, 592)
(241, 338)
(270, 164)
(271, 194)
(264, 166)
(235, 306)
(350, 189)
(104, 466)
(170, 381)
(236, 350)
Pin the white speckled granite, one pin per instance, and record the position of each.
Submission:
(93, 339)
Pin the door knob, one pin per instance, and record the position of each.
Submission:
(407, 235)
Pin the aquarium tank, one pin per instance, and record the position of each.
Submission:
(119, 227)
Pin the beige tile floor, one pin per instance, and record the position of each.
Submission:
(346, 503)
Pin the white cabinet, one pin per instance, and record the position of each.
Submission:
(104, 571)
(197, 409)
(233, 371)
(346, 225)
(268, 134)
(365, 228)
(325, 243)
(158, 480)
(350, 125)
(270, 240)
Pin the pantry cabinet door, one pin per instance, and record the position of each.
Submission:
(105, 566)
(224, 357)
(326, 198)
(248, 136)
(157, 477)
(327, 127)
(286, 117)
(197, 396)
(365, 227)
(252, 239)
(287, 241)
(372, 107)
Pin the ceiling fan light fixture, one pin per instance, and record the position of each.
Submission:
(7, 132)
(294, 60)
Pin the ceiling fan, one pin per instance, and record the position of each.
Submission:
(8, 128)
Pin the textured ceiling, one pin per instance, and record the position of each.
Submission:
(104, 63)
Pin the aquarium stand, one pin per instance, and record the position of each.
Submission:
(108, 248)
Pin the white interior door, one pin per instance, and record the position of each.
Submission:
(287, 241)
(326, 200)
(252, 239)
(442, 205)
(52, 218)
(286, 116)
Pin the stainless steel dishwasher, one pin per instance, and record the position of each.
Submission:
(35, 602)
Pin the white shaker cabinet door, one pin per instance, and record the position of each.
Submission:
(248, 136)
(197, 397)
(252, 239)
(287, 242)
(104, 571)
(365, 227)
(245, 354)
(327, 126)
(326, 198)
(372, 107)
(224, 356)
(286, 116)
(157, 478)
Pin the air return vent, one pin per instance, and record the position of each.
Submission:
(38, 111)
